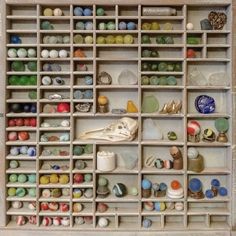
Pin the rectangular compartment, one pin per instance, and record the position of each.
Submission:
(156, 222)
(176, 24)
(22, 24)
(113, 41)
(44, 39)
(218, 52)
(27, 165)
(61, 66)
(218, 38)
(156, 66)
(206, 208)
(64, 78)
(127, 10)
(115, 68)
(173, 221)
(220, 97)
(85, 66)
(112, 53)
(26, 38)
(110, 10)
(88, 225)
(164, 52)
(197, 221)
(121, 153)
(63, 164)
(60, 152)
(164, 124)
(18, 10)
(65, 9)
(128, 222)
(83, 80)
(87, 208)
(111, 222)
(196, 13)
(194, 52)
(59, 24)
(101, 26)
(220, 221)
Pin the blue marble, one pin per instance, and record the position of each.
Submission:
(195, 185)
(88, 94)
(56, 167)
(23, 150)
(146, 184)
(78, 11)
(223, 191)
(14, 151)
(31, 151)
(209, 193)
(89, 25)
(87, 12)
(33, 108)
(15, 39)
(147, 223)
(88, 80)
(163, 186)
(205, 104)
(131, 26)
(122, 25)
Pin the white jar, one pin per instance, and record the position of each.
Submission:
(106, 161)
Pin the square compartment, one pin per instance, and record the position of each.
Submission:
(218, 52)
(127, 11)
(197, 221)
(156, 222)
(128, 222)
(173, 221)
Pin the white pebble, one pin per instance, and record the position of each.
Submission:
(189, 26)
(62, 53)
(179, 206)
(53, 53)
(45, 53)
(103, 222)
(31, 52)
(12, 53)
(46, 80)
(21, 53)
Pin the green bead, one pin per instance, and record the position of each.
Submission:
(22, 178)
(146, 53)
(160, 39)
(170, 67)
(145, 66)
(154, 80)
(145, 80)
(32, 80)
(154, 67)
(162, 66)
(78, 150)
(32, 192)
(46, 25)
(178, 67)
(32, 66)
(32, 95)
(100, 11)
(88, 177)
(11, 192)
(88, 149)
(169, 40)
(111, 25)
(18, 66)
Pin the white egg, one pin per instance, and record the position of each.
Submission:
(57, 12)
(62, 53)
(189, 26)
(45, 53)
(53, 53)
(12, 52)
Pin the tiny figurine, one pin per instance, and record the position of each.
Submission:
(222, 126)
(195, 188)
(178, 158)
(146, 188)
(195, 160)
(193, 130)
(20, 220)
(103, 104)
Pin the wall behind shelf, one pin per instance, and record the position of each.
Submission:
(2, 120)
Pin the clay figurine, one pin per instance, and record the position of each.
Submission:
(178, 158)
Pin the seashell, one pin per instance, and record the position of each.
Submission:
(104, 78)
(44, 138)
(83, 107)
(65, 123)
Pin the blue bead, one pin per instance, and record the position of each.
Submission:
(89, 25)
(205, 104)
(56, 167)
(131, 26)
(14, 151)
(31, 152)
(122, 25)
(195, 185)
(147, 223)
(146, 184)
(163, 186)
(78, 11)
(88, 94)
(33, 108)
(215, 183)
(23, 150)
(87, 12)
(209, 193)
(27, 107)
(223, 191)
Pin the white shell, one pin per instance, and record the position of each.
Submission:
(46, 80)
(63, 53)
(45, 53)
(103, 222)
(57, 12)
(189, 26)
(65, 123)
(53, 54)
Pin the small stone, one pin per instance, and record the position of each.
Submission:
(168, 26)
(127, 77)
(44, 138)
(88, 193)
(172, 136)
(205, 104)
(206, 24)
(150, 104)
(196, 78)
(147, 223)
(189, 26)
(80, 164)
(65, 137)
(131, 107)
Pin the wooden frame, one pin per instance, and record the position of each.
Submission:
(96, 90)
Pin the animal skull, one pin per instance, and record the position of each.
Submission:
(122, 130)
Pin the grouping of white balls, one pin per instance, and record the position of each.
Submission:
(54, 53)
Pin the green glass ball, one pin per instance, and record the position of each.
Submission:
(32, 95)
(163, 80)
(162, 66)
(111, 25)
(100, 11)
(18, 66)
(88, 149)
(32, 178)
(22, 178)
(145, 39)
(32, 80)
(20, 192)
(32, 66)
(88, 177)
(13, 79)
(46, 25)
(32, 192)
(11, 192)
(222, 125)
(78, 150)
(102, 181)
(13, 178)
(23, 80)
(146, 53)
(78, 39)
